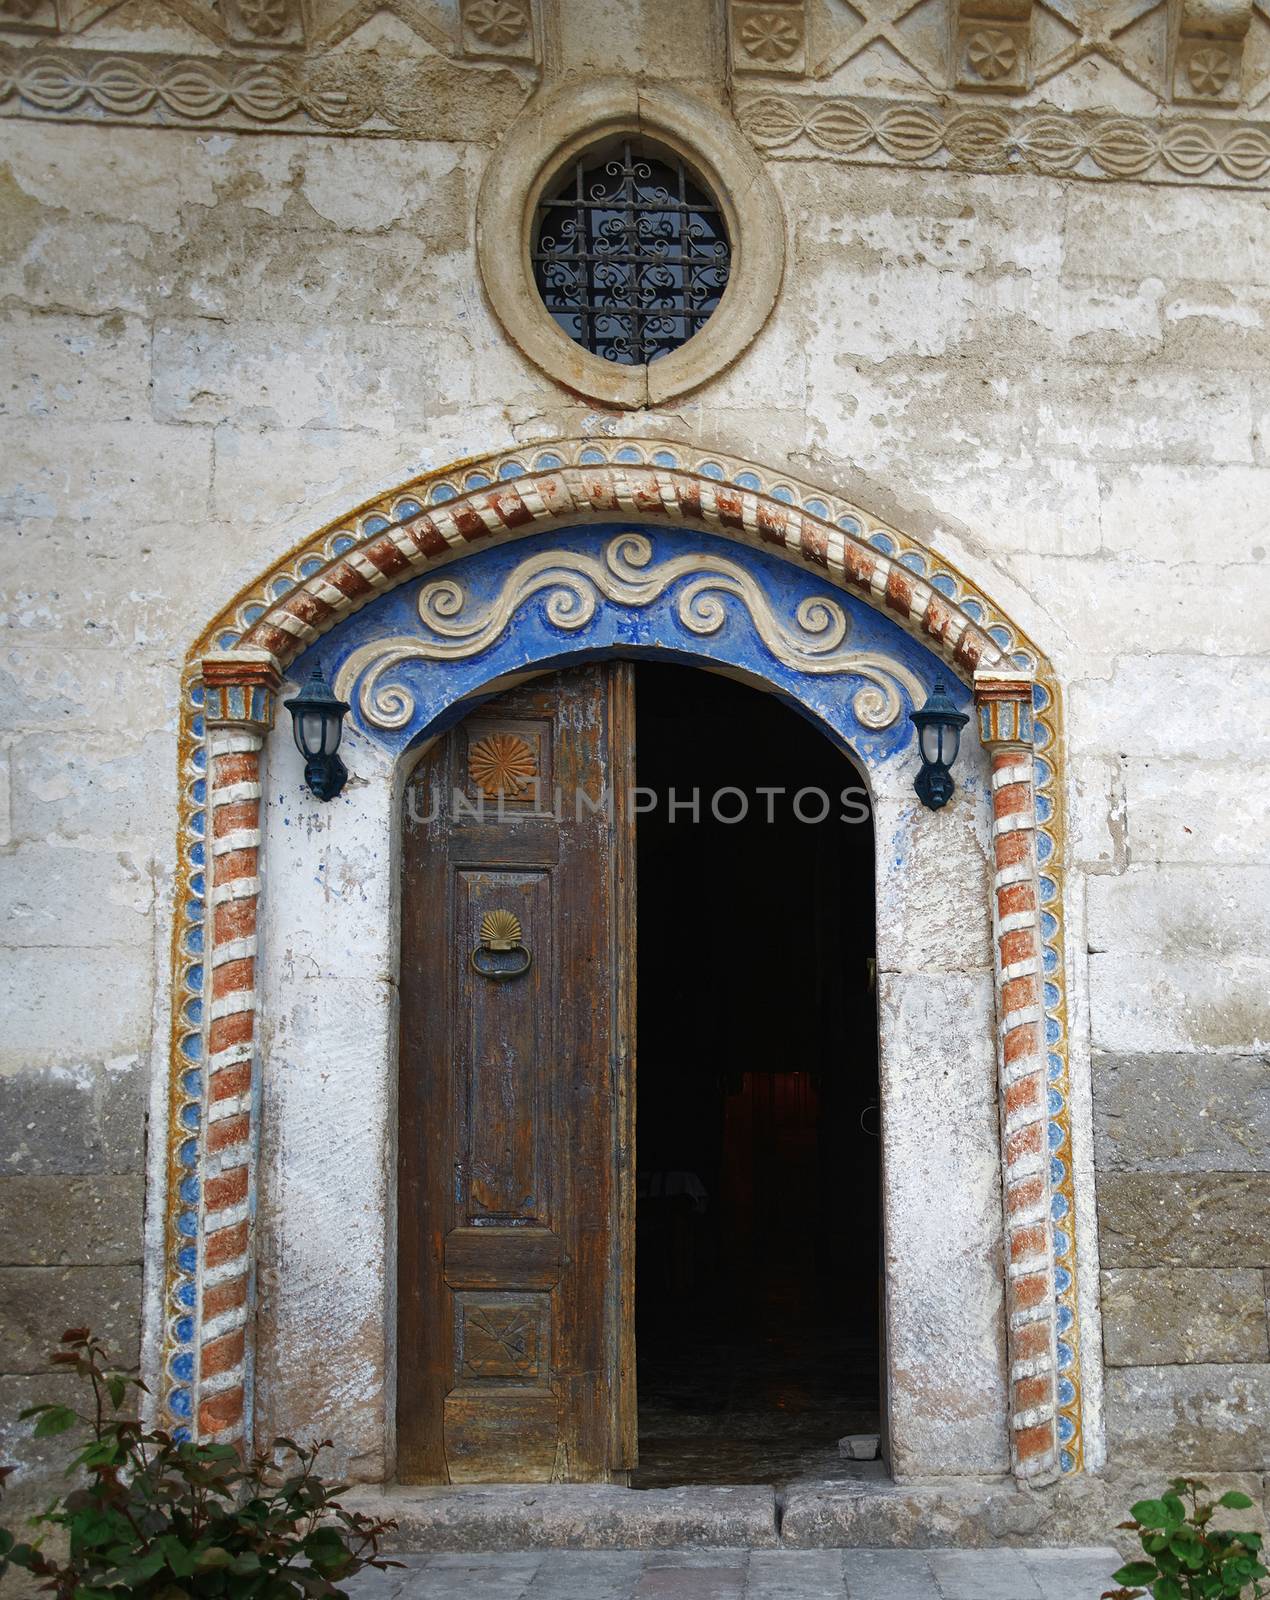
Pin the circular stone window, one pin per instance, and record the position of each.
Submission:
(630, 240)
(631, 253)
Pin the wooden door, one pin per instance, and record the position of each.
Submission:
(515, 1340)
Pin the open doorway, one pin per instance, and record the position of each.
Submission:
(758, 1258)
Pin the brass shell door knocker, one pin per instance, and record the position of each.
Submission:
(501, 952)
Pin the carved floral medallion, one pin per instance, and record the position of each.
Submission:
(770, 36)
(992, 54)
(1209, 70)
(264, 19)
(497, 22)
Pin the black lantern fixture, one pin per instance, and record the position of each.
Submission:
(939, 726)
(317, 720)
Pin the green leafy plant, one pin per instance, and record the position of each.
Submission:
(155, 1516)
(1186, 1557)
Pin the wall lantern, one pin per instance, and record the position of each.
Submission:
(939, 726)
(317, 720)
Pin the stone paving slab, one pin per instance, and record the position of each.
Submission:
(604, 1575)
(983, 1575)
(794, 1575)
(1062, 1573)
(882, 1574)
(734, 1574)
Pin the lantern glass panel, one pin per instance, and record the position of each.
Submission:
(929, 739)
(949, 739)
(313, 733)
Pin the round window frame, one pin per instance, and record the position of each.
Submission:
(554, 131)
(597, 161)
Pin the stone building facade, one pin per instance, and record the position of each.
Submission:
(990, 379)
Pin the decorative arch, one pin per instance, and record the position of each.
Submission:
(230, 688)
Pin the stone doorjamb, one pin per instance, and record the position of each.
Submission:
(233, 678)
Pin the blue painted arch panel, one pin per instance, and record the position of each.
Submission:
(444, 691)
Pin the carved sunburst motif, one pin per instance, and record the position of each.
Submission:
(501, 763)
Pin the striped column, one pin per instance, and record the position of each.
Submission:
(1004, 702)
(240, 695)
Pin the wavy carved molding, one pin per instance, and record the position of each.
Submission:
(454, 628)
(1044, 142)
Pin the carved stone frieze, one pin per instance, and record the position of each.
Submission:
(497, 30)
(878, 31)
(810, 77)
(343, 92)
(1213, 52)
(1001, 139)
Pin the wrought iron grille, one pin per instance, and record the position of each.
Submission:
(631, 254)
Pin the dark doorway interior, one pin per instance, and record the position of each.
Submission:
(757, 1219)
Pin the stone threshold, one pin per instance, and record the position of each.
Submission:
(575, 1516)
(869, 1512)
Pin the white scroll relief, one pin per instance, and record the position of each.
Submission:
(455, 627)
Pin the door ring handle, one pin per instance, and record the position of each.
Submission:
(501, 953)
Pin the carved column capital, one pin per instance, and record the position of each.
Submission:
(240, 689)
(991, 44)
(1003, 701)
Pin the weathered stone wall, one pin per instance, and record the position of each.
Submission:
(214, 341)
(174, 354)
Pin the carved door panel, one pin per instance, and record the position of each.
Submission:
(515, 1351)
